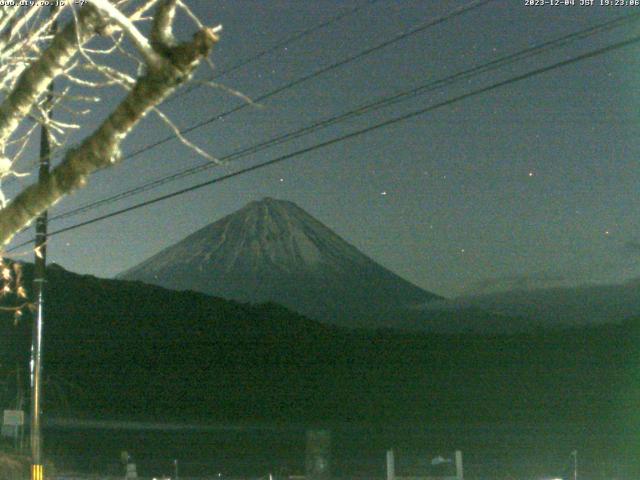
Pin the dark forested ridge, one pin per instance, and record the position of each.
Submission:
(121, 348)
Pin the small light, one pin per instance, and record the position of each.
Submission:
(383, 192)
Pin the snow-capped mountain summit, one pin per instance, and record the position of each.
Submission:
(272, 250)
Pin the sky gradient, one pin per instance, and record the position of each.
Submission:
(532, 184)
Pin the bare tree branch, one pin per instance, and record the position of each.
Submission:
(139, 40)
(34, 81)
(162, 29)
(101, 149)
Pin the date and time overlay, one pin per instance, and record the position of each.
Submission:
(581, 3)
(527, 3)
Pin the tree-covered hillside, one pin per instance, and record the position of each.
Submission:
(128, 349)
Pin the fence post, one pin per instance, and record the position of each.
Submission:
(391, 465)
(459, 470)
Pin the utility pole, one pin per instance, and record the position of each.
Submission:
(36, 336)
(37, 470)
(19, 444)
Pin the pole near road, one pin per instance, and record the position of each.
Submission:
(37, 470)
(36, 338)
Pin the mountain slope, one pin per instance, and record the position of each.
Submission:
(126, 350)
(272, 250)
(118, 347)
(568, 306)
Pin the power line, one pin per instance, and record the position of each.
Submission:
(407, 116)
(262, 53)
(474, 4)
(277, 46)
(401, 36)
(383, 102)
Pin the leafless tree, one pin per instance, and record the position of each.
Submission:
(79, 55)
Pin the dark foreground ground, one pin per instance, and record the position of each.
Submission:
(517, 405)
(251, 451)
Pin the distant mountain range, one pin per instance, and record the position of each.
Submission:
(272, 250)
(558, 306)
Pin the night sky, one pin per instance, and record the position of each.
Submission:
(535, 183)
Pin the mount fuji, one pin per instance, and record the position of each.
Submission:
(273, 251)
